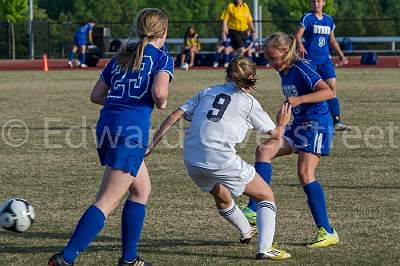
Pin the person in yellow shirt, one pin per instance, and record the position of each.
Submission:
(236, 21)
(191, 46)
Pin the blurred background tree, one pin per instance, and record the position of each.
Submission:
(13, 11)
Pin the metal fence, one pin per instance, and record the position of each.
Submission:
(55, 38)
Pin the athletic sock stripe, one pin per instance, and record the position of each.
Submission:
(264, 204)
(268, 207)
(228, 212)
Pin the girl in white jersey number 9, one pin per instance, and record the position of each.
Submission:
(220, 117)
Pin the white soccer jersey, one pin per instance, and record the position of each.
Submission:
(221, 115)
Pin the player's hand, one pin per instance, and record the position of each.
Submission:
(301, 51)
(294, 101)
(284, 114)
(343, 60)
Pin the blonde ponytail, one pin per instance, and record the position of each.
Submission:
(242, 71)
(150, 24)
(139, 53)
(284, 43)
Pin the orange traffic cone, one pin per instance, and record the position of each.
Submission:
(45, 64)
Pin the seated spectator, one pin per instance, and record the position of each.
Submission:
(191, 46)
(224, 49)
(249, 44)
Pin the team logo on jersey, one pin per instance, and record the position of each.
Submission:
(318, 29)
(291, 91)
(321, 42)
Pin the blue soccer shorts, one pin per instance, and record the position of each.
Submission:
(311, 137)
(119, 152)
(326, 71)
(79, 40)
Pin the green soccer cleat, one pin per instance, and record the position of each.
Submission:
(250, 215)
(324, 239)
(274, 254)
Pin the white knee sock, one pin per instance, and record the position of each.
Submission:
(266, 213)
(236, 217)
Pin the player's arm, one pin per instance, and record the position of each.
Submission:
(165, 126)
(224, 32)
(322, 92)
(251, 25)
(250, 22)
(90, 34)
(99, 92)
(282, 119)
(224, 23)
(160, 89)
(335, 46)
(299, 35)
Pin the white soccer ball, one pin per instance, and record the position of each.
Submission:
(185, 66)
(16, 215)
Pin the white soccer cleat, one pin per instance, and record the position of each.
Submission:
(83, 66)
(70, 64)
(274, 254)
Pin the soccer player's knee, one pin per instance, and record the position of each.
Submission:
(143, 193)
(264, 194)
(306, 176)
(107, 205)
(262, 153)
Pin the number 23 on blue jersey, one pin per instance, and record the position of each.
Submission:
(131, 85)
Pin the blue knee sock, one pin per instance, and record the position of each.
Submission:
(82, 58)
(132, 224)
(71, 56)
(90, 224)
(264, 169)
(226, 58)
(334, 107)
(316, 202)
(216, 58)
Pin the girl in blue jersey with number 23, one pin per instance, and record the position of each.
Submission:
(130, 85)
(310, 134)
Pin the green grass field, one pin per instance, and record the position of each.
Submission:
(57, 170)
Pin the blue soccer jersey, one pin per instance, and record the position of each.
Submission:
(129, 102)
(317, 36)
(300, 80)
(83, 30)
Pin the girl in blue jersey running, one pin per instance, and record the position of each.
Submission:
(317, 28)
(309, 135)
(130, 85)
